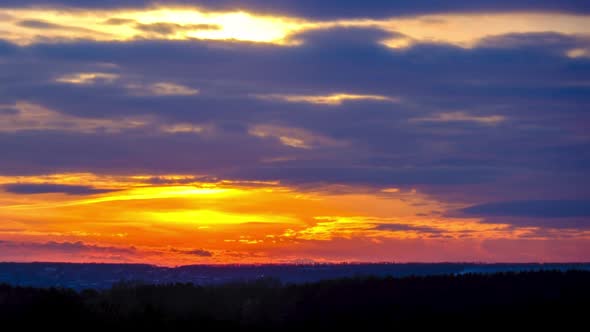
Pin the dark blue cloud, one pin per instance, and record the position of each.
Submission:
(533, 209)
(526, 78)
(195, 252)
(382, 8)
(7, 48)
(406, 227)
(48, 188)
(334, 8)
(38, 24)
(349, 38)
(78, 247)
(129, 153)
(4, 110)
(332, 173)
(439, 76)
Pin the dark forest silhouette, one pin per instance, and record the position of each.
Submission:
(503, 299)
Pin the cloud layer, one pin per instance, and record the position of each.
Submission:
(462, 102)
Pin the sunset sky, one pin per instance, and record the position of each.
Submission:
(292, 131)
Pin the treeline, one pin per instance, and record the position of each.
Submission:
(502, 300)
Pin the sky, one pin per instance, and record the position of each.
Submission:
(221, 132)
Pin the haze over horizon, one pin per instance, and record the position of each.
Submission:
(211, 132)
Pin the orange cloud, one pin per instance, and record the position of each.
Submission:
(165, 221)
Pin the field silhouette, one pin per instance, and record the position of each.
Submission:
(501, 300)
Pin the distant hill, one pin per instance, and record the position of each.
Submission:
(102, 276)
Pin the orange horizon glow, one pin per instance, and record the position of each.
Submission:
(233, 222)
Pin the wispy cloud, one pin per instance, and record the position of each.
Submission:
(194, 252)
(32, 117)
(35, 117)
(462, 117)
(162, 89)
(77, 247)
(87, 78)
(579, 53)
(332, 99)
(293, 137)
(157, 89)
(49, 188)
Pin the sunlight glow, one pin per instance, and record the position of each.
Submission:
(156, 214)
(25, 26)
(209, 218)
(155, 23)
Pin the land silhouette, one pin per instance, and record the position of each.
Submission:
(528, 299)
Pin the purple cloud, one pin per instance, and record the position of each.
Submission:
(49, 188)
